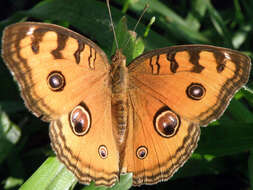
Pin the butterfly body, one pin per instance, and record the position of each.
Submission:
(119, 97)
(107, 119)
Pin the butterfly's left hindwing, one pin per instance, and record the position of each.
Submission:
(92, 156)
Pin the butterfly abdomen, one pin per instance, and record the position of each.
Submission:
(119, 96)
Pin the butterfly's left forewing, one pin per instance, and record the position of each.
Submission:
(40, 54)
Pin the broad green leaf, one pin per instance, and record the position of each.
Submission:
(240, 112)
(51, 175)
(226, 139)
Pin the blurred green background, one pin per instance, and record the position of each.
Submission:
(224, 157)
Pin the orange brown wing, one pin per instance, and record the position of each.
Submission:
(152, 153)
(40, 55)
(64, 78)
(195, 81)
(172, 91)
(90, 152)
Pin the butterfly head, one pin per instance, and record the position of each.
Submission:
(118, 58)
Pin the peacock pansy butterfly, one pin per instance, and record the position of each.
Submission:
(107, 119)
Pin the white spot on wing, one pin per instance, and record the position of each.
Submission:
(227, 56)
(30, 31)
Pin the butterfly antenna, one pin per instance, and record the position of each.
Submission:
(112, 25)
(143, 12)
(135, 27)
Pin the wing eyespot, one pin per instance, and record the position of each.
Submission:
(142, 152)
(196, 91)
(56, 81)
(102, 151)
(80, 120)
(166, 122)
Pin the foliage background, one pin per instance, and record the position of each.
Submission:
(224, 158)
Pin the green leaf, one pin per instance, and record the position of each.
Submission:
(219, 25)
(197, 13)
(240, 112)
(9, 135)
(251, 168)
(51, 175)
(172, 21)
(12, 182)
(12, 106)
(128, 41)
(226, 139)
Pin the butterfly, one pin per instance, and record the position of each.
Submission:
(108, 119)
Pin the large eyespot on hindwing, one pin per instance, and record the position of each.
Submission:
(56, 81)
(80, 120)
(166, 122)
(196, 91)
